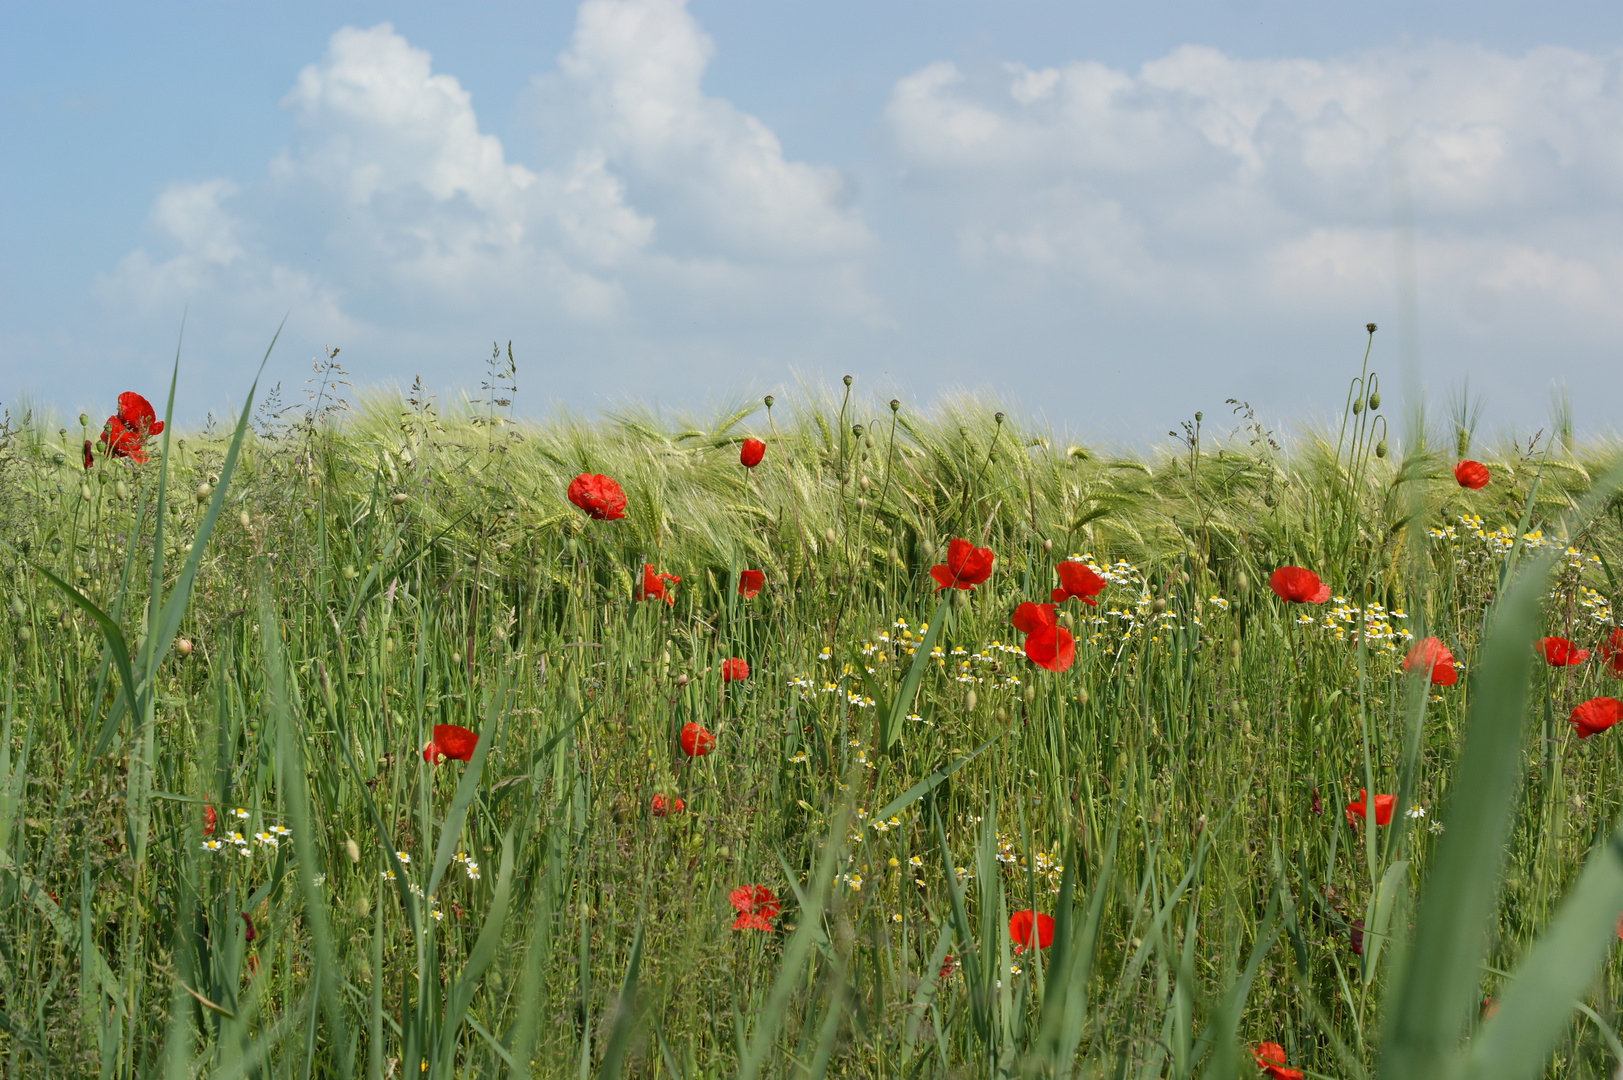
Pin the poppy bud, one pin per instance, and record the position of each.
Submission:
(1380, 449)
(1243, 583)
(248, 933)
(1198, 417)
(1234, 648)
(1002, 716)
(1370, 327)
(768, 400)
(399, 498)
(1200, 824)
(862, 504)
(1375, 401)
(1048, 545)
(1159, 606)
(1081, 697)
(828, 534)
(682, 679)
(247, 522)
(203, 493)
(895, 404)
(183, 646)
(24, 633)
(84, 492)
(864, 483)
(970, 701)
(17, 607)
(1358, 405)
(1031, 692)
(84, 421)
(848, 380)
(353, 850)
(123, 490)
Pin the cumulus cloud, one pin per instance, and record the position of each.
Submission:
(391, 206)
(1246, 183)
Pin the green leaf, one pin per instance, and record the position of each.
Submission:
(890, 719)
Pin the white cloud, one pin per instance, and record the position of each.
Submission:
(1239, 184)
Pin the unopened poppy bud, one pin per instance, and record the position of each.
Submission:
(1031, 692)
(123, 490)
(828, 534)
(84, 421)
(1370, 327)
(247, 522)
(84, 492)
(353, 850)
(864, 483)
(862, 504)
(1380, 449)
(970, 701)
(1358, 405)
(1200, 824)
(183, 646)
(24, 633)
(399, 498)
(1159, 606)
(1002, 716)
(848, 380)
(682, 679)
(768, 400)
(895, 404)
(1048, 545)
(1234, 648)
(1375, 400)
(202, 493)
(1081, 697)
(1243, 583)
(18, 608)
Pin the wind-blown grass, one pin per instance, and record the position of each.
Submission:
(320, 595)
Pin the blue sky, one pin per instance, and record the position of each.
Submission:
(1112, 215)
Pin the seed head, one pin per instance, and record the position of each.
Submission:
(768, 400)
(856, 429)
(848, 380)
(895, 404)
(998, 417)
(1370, 327)
(84, 421)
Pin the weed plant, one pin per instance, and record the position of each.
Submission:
(224, 853)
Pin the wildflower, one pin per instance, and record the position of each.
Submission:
(1415, 812)
(237, 838)
(949, 965)
(966, 567)
(1031, 927)
(1078, 580)
(281, 830)
(599, 496)
(757, 905)
(90, 456)
(239, 812)
(751, 453)
(449, 741)
(265, 838)
(248, 933)
(212, 845)
(1383, 809)
(750, 582)
(696, 741)
(1298, 586)
(127, 431)
(1471, 474)
(734, 670)
(660, 806)
(1051, 647)
(653, 585)
(1270, 1059)
(405, 859)
(1611, 651)
(1559, 652)
(1432, 656)
(1596, 714)
(1028, 617)
(208, 819)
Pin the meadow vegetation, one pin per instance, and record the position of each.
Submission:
(233, 843)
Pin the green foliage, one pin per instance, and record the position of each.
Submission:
(276, 644)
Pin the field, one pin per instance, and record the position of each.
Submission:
(894, 845)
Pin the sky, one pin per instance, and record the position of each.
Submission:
(1109, 216)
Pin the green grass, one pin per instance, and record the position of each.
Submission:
(320, 594)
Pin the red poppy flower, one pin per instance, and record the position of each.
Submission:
(1596, 714)
(1430, 653)
(949, 964)
(599, 496)
(1611, 651)
(122, 442)
(756, 905)
(137, 414)
(1051, 647)
(751, 453)
(696, 741)
(660, 806)
(653, 585)
(1559, 652)
(248, 933)
(1298, 586)
(1028, 617)
(1026, 927)
(734, 670)
(209, 819)
(1270, 1059)
(750, 582)
(90, 457)
(1077, 580)
(450, 741)
(1471, 474)
(1357, 811)
(967, 566)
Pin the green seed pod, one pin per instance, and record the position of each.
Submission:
(895, 404)
(1380, 449)
(768, 400)
(856, 429)
(84, 420)
(104, 477)
(1198, 417)
(58, 458)
(848, 380)
(1375, 401)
